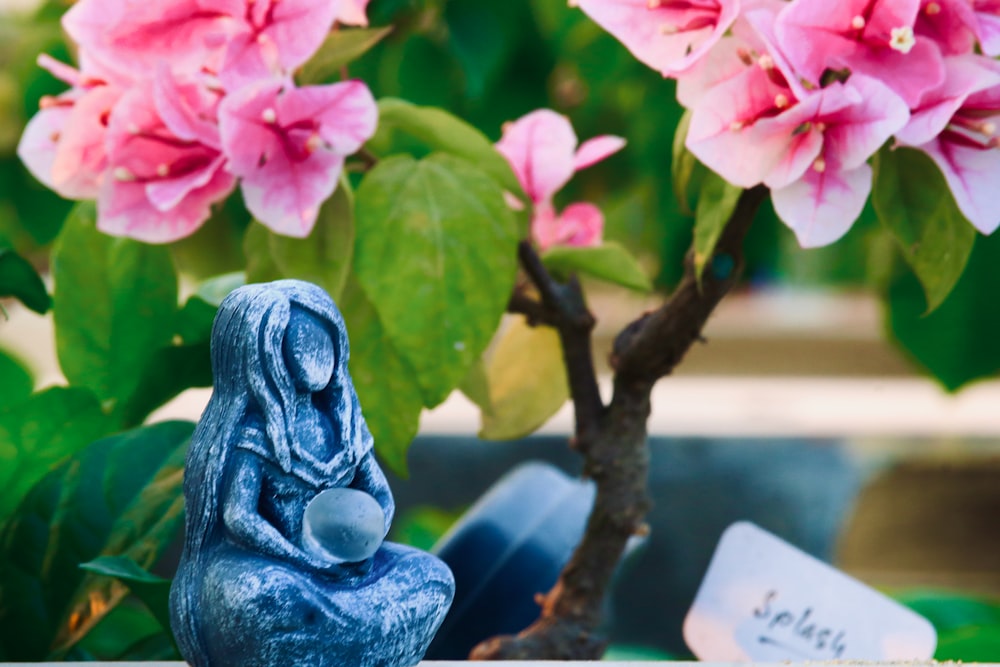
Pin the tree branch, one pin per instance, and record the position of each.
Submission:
(612, 439)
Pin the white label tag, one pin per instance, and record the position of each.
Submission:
(764, 600)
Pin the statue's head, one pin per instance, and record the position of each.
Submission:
(274, 341)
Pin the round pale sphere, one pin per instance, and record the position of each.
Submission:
(346, 524)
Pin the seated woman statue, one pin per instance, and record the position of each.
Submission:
(263, 581)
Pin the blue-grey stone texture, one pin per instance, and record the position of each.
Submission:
(259, 583)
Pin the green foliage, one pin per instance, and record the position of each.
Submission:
(716, 204)
(20, 280)
(435, 255)
(119, 496)
(115, 303)
(609, 262)
(40, 431)
(152, 590)
(686, 171)
(956, 343)
(340, 49)
(914, 204)
(968, 628)
(526, 380)
(441, 131)
(15, 380)
(323, 258)
(387, 385)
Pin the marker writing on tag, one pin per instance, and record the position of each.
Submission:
(795, 632)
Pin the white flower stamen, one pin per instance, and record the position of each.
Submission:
(122, 174)
(858, 22)
(902, 39)
(269, 116)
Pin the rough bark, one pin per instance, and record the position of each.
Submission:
(612, 438)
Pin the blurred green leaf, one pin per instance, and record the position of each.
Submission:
(152, 590)
(478, 40)
(422, 527)
(436, 256)
(686, 171)
(340, 48)
(15, 382)
(609, 262)
(20, 280)
(324, 257)
(442, 131)
(387, 386)
(119, 496)
(38, 432)
(127, 632)
(115, 304)
(526, 380)
(968, 628)
(915, 205)
(716, 204)
(957, 343)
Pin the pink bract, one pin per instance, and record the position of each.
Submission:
(541, 148)
(352, 12)
(288, 145)
(159, 187)
(580, 224)
(872, 37)
(668, 35)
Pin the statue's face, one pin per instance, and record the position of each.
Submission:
(308, 351)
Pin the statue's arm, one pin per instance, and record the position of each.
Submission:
(244, 524)
(371, 480)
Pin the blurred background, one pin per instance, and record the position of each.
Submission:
(810, 409)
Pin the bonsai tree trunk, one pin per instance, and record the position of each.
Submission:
(612, 438)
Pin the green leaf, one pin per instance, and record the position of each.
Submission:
(20, 280)
(339, 49)
(153, 591)
(442, 131)
(527, 381)
(686, 171)
(119, 496)
(15, 380)
(261, 265)
(609, 262)
(387, 386)
(914, 204)
(40, 431)
(436, 256)
(114, 308)
(968, 628)
(324, 257)
(716, 204)
(957, 343)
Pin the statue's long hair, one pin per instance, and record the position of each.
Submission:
(252, 378)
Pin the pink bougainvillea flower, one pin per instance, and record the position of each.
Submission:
(289, 144)
(131, 38)
(63, 144)
(872, 37)
(541, 148)
(159, 186)
(987, 25)
(352, 12)
(966, 147)
(668, 35)
(275, 37)
(950, 23)
(580, 224)
(752, 129)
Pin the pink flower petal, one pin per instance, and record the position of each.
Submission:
(972, 175)
(857, 130)
(949, 23)
(821, 206)
(594, 150)
(581, 224)
(37, 147)
(540, 149)
(286, 196)
(352, 12)
(124, 209)
(346, 112)
(80, 156)
(189, 110)
(666, 35)
(988, 30)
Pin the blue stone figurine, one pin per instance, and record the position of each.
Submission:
(284, 562)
